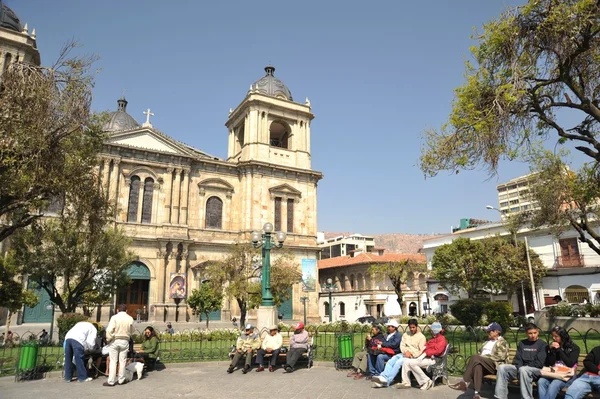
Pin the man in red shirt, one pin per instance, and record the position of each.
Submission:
(435, 347)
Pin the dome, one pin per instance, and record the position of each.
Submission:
(271, 86)
(8, 19)
(120, 119)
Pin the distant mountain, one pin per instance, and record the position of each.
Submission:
(393, 242)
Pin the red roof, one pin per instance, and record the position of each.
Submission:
(369, 258)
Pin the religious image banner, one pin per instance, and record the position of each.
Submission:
(177, 286)
(309, 275)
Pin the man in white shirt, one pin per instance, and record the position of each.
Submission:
(78, 339)
(119, 331)
(270, 344)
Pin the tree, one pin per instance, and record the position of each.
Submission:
(398, 273)
(76, 253)
(205, 300)
(12, 294)
(535, 70)
(492, 264)
(50, 140)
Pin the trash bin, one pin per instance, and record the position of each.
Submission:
(345, 351)
(28, 358)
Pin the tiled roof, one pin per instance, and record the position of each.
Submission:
(369, 258)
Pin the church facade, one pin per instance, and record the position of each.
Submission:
(182, 207)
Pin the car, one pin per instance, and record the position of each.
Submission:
(530, 317)
(366, 320)
(383, 320)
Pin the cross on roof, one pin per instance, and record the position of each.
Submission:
(148, 115)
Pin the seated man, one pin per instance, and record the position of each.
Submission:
(435, 347)
(493, 353)
(529, 360)
(359, 363)
(590, 379)
(413, 343)
(388, 348)
(245, 345)
(271, 344)
(298, 345)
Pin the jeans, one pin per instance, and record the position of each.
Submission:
(376, 363)
(392, 367)
(549, 388)
(582, 386)
(117, 352)
(261, 353)
(525, 374)
(74, 349)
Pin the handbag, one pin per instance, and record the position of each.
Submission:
(558, 372)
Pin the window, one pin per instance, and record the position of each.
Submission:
(214, 213)
(134, 198)
(290, 215)
(336, 250)
(342, 309)
(326, 304)
(277, 213)
(279, 133)
(147, 200)
(325, 253)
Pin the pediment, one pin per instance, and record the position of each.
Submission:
(215, 184)
(150, 140)
(286, 191)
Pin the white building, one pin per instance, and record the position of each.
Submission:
(344, 245)
(514, 196)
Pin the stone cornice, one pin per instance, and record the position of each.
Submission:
(266, 103)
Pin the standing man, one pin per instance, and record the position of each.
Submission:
(78, 339)
(385, 350)
(435, 347)
(271, 344)
(529, 360)
(244, 346)
(119, 331)
(298, 345)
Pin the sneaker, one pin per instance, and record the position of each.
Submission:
(378, 385)
(403, 386)
(230, 370)
(87, 379)
(288, 369)
(427, 385)
(123, 383)
(271, 369)
(459, 386)
(259, 369)
(369, 377)
(380, 379)
(106, 384)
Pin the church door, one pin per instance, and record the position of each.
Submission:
(287, 309)
(135, 294)
(42, 312)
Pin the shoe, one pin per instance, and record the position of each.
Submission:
(87, 379)
(359, 376)
(259, 369)
(476, 396)
(123, 383)
(106, 384)
(459, 386)
(427, 385)
(380, 379)
(271, 369)
(246, 369)
(369, 377)
(352, 374)
(230, 370)
(403, 386)
(378, 385)
(288, 369)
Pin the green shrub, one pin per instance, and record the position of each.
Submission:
(445, 319)
(66, 321)
(467, 311)
(499, 312)
(562, 309)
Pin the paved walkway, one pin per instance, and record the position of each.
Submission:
(209, 380)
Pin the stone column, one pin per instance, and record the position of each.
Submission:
(105, 175)
(169, 189)
(114, 184)
(175, 196)
(183, 215)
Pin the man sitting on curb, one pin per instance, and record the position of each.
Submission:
(435, 347)
(529, 360)
(588, 381)
(271, 344)
(388, 348)
(413, 343)
(245, 345)
(298, 345)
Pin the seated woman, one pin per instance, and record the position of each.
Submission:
(359, 364)
(493, 353)
(561, 352)
(149, 351)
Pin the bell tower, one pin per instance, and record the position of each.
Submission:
(268, 126)
(16, 43)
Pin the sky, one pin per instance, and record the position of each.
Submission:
(377, 75)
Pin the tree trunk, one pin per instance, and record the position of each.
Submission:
(242, 305)
(400, 301)
(206, 320)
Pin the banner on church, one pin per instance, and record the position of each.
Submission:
(177, 286)
(309, 275)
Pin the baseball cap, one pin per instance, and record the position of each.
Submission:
(273, 327)
(392, 323)
(493, 327)
(249, 326)
(299, 326)
(436, 327)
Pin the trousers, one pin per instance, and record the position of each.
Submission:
(477, 367)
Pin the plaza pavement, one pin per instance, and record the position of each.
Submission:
(209, 380)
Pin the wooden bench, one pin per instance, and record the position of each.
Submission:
(308, 355)
(512, 352)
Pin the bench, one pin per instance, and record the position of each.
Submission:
(440, 368)
(308, 355)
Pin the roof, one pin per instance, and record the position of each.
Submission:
(369, 258)
(271, 86)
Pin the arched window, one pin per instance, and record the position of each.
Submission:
(326, 305)
(360, 284)
(134, 198)
(576, 294)
(214, 213)
(352, 282)
(147, 200)
(279, 134)
(342, 309)
(343, 282)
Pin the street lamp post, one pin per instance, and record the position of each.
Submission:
(329, 286)
(304, 301)
(419, 303)
(266, 241)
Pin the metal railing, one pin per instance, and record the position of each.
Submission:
(570, 261)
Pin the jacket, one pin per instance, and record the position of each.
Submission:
(120, 326)
(413, 343)
(531, 353)
(272, 342)
(245, 342)
(299, 340)
(150, 346)
(374, 341)
(391, 344)
(568, 358)
(499, 353)
(85, 333)
(436, 346)
(592, 361)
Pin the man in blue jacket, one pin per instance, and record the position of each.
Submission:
(388, 348)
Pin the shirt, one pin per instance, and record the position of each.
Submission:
(413, 343)
(120, 326)
(488, 347)
(83, 332)
(272, 341)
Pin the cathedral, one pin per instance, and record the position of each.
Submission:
(182, 207)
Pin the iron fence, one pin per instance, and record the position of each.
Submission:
(195, 345)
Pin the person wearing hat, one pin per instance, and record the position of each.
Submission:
(359, 363)
(245, 345)
(385, 350)
(413, 343)
(435, 347)
(492, 354)
(298, 345)
(271, 344)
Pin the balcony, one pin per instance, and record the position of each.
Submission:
(565, 261)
